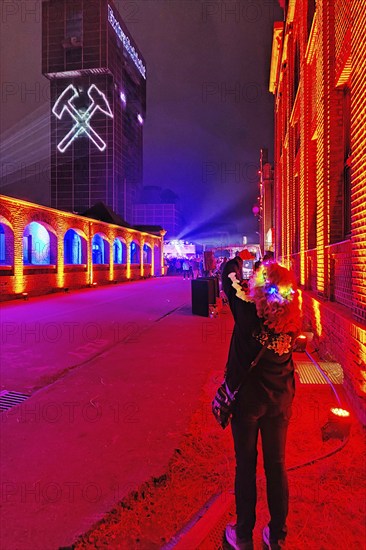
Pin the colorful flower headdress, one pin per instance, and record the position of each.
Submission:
(275, 282)
(273, 290)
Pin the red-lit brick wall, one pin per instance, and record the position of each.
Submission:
(16, 278)
(311, 159)
(358, 147)
(343, 340)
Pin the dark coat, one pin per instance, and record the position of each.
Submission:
(272, 379)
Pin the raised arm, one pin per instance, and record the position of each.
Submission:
(233, 266)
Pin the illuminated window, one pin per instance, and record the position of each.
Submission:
(135, 253)
(2, 246)
(100, 250)
(73, 249)
(6, 244)
(119, 251)
(39, 245)
(147, 254)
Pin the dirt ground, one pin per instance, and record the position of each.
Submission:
(327, 496)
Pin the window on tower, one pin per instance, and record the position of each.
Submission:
(74, 24)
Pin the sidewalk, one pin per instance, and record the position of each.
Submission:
(96, 431)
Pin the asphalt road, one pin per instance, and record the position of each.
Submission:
(45, 336)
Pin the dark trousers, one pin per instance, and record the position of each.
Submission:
(245, 429)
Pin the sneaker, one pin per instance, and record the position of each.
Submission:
(272, 545)
(234, 541)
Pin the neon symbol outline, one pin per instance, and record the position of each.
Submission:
(64, 103)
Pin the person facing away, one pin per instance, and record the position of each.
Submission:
(196, 267)
(266, 312)
(185, 267)
(223, 263)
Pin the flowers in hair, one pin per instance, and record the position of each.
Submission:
(240, 292)
(273, 289)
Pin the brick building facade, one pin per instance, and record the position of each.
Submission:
(44, 250)
(318, 78)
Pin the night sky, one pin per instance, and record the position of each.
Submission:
(208, 107)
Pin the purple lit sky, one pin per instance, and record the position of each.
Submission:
(209, 109)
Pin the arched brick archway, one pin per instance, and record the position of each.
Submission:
(75, 247)
(6, 243)
(39, 244)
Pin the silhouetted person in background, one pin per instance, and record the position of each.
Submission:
(223, 263)
(185, 268)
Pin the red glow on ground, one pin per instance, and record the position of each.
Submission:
(327, 504)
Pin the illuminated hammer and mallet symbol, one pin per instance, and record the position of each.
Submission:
(65, 104)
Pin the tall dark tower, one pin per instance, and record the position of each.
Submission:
(98, 105)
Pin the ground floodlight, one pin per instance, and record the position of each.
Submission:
(25, 295)
(338, 425)
(300, 342)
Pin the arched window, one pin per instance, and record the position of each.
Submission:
(100, 250)
(157, 261)
(135, 253)
(2, 246)
(6, 242)
(147, 254)
(73, 252)
(39, 245)
(119, 251)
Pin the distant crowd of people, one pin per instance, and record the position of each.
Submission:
(192, 268)
(188, 268)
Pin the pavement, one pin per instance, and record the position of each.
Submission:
(114, 374)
